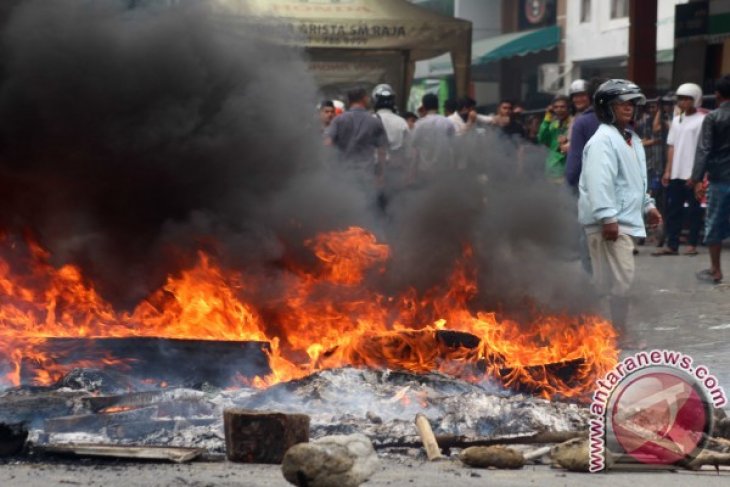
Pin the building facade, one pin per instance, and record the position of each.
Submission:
(702, 42)
(513, 39)
(596, 40)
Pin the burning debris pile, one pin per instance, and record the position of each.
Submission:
(175, 228)
(200, 328)
(379, 404)
(173, 243)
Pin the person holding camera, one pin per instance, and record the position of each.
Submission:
(553, 133)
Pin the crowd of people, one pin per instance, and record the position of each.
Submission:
(634, 164)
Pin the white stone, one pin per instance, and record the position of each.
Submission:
(332, 461)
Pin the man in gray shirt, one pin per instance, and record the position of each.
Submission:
(358, 135)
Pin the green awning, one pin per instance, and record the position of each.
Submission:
(505, 46)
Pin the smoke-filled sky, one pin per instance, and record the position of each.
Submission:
(129, 137)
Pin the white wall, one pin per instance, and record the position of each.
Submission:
(603, 37)
(485, 15)
(665, 24)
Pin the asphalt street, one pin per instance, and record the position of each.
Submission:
(673, 310)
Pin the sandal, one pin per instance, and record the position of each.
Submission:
(690, 252)
(659, 252)
(707, 276)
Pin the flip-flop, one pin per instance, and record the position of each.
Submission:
(690, 252)
(707, 276)
(660, 252)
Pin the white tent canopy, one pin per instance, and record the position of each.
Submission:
(352, 41)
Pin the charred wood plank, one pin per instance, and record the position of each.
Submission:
(12, 439)
(565, 372)
(176, 455)
(91, 423)
(169, 397)
(143, 430)
(96, 404)
(456, 339)
(450, 441)
(262, 437)
(34, 408)
(176, 362)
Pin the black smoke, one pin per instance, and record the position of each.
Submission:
(133, 134)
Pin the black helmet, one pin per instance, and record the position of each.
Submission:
(615, 90)
(384, 96)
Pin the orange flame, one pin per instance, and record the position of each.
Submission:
(323, 317)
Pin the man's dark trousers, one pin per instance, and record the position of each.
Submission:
(677, 195)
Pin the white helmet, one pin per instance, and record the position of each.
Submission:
(691, 90)
(578, 86)
(339, 107)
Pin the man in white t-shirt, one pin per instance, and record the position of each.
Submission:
(433, 140)
(466, 118)
(682, 141)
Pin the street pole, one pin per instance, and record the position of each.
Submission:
(642, 44)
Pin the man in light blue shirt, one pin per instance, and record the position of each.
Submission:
(613, 197)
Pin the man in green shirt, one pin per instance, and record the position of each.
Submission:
(553, 133)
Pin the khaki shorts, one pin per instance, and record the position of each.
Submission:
(613, 264)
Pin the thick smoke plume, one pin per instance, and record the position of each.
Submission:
(133, 135)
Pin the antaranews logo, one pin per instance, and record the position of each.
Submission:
(656, 407)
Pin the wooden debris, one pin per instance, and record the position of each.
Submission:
(95, 422)
(457, 339)
(140, 430)
(537, 453)
(492, 457)
(176, 455)
(710, 458)
(28, 409)
(176, 362)
(566, 372)
(720, 445)
(722, 428)
(433, 452)
(133, 400)
(573, 455)
(170, 402)
(262, 437)
(450, 441)
(12, 439)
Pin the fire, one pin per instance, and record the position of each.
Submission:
(325, 315)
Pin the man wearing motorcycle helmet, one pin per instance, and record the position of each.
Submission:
(396, 128)
(399, 143)
(580, 97)
(613, 195)
(684, 134)
(580, 100)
